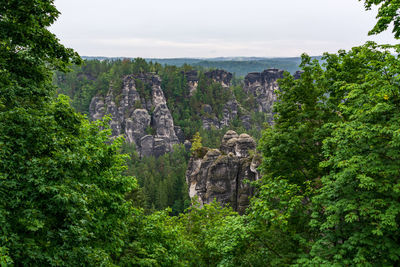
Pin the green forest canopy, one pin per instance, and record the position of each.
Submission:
(329, 195)
(239, 66)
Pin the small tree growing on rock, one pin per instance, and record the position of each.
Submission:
(196, 143)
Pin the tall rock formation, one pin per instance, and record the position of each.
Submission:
(220, 76)
(192, 79)
(143, 118)
(231, 108)
(262, 86)
(221, 173)
(139, 110)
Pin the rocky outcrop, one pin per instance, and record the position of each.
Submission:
(221, 174)
(220, 76)
(262, 86)
(139, 110)
(246, 121)
(229, 113)
(192, 79)
(143, 118)
(231, 108)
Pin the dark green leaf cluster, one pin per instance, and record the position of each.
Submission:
(162, 180)
(331, 162)
(388, 13)
(27, 50)
(203, 236)
(62, 188)
(358, 207)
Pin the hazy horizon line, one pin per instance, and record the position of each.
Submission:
(200, 58)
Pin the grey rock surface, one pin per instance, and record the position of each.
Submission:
(231, 108)
(136, 125)
(262, 85)
(246, 121)
(297, 74)
(244, 145)
(207, 108)
(220, 76)
(147, 145)
(210, 122)
(188, 145)
(179, 134)
(192, 78)
(229, 112)
(144, 120)
(221, 173)
(228, 142)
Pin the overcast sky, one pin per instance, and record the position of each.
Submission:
(213, 28)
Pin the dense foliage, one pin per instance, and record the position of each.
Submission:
(357, 208)
(162, 187)
(162, 180)
(330, 190)
(95, 77)
(244, 66)
(62, 192)
(388, 13)
(332, 160)
(239, 66)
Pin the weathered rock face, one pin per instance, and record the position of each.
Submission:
(262, 86)
(152, 134)
(192, 80)
(229, 113)
(246, 121)
(220, 76)
(220, 173)
(230, 109)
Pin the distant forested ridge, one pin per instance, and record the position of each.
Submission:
(239, 66)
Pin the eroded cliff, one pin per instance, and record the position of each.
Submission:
(222, 174)
(262, 86)
(140, 113)
(139, 108)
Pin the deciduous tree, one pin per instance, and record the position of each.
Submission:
(62, 192)
(388, 13)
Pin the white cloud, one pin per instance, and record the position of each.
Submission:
(209, 28)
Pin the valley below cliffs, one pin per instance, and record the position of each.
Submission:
(158, 109)
(139, 111)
